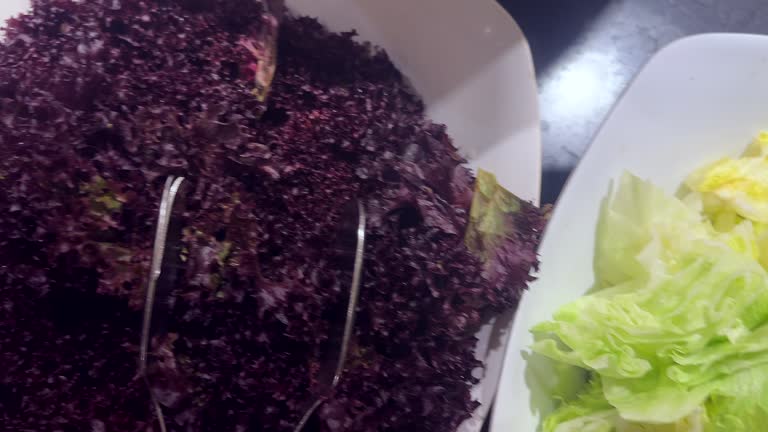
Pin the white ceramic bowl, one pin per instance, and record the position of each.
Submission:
(472, 66)
(699, 99)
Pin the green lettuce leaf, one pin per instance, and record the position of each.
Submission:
(679, 309)
(491, 216)
(638, 218)
(740, 403)
(591, 412)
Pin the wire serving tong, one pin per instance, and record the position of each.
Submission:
(163, 271)
(165, 253)
(352, 217)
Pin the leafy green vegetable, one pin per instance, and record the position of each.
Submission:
(489, 218)
(740, 402)
(589, 412)
(677, 316)
(640, 217)
(103, 198)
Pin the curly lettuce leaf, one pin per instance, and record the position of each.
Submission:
(502, 231)
(679, 309)
(591, 412)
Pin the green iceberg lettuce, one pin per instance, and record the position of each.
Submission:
(674, 332)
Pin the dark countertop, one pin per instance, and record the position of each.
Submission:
(587, 51)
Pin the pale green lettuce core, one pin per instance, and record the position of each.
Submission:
(674, 333)
(489, 221)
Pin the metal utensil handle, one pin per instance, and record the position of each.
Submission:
(353, 294)
(171, 189)
(305, 418)
(350, 319)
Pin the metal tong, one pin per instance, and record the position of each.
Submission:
(162, 275)
(353, 215)
(165, 253)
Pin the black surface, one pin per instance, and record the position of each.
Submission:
(587, 51)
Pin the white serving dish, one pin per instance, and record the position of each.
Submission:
(697, 100)
(9, 8)
(472, 66)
